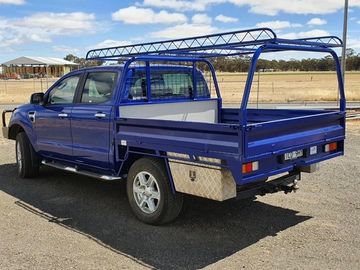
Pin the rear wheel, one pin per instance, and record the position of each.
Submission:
(149, 192)
(26, 157)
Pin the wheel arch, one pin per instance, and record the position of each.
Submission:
(14, 130)
(19, 126)
(133, 157)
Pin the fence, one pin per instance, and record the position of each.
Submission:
(19, 91)
(268, 87)
(286, 87)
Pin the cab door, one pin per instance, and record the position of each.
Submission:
(52, 120)
(91, 124)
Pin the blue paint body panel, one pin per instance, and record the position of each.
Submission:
(241, 135)
(53, 133)
(91, 136)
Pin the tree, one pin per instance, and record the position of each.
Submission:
(72, 58)
(350, 52)
(82, 61)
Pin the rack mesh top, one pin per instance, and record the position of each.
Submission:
(222, 44)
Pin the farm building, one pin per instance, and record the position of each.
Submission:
(28, 67)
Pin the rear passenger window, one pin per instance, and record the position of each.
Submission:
(166, 84)
(98, 87)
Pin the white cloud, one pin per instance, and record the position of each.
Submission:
(198, 5)
(277, 25)
(317, 21)
(184, 30)
(305, 34)
(200, 25)
(136, 15)
(110, 43)
(65, 49)
(58, 23)
(39, 38)
(42, 27)
(353, 43)
(271, 8)
(201, 19)
(12, 2)
(225, 19)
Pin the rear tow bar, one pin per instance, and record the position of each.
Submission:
(287, 183)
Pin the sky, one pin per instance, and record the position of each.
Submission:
(57, 28)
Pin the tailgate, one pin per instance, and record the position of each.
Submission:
(281, 136)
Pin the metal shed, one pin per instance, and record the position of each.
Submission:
(30, 66)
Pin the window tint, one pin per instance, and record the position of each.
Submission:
(64, 92)
(137, 84)
(98, 87)
(202, 89)
(171, 85)
(167, 84)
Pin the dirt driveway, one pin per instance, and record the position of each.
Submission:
(64, 221)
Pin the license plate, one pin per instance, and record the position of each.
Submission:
(293, 155)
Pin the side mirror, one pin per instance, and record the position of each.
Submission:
(37, 98)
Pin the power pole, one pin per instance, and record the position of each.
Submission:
(343, 54)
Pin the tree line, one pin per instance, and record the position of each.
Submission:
(242, 63)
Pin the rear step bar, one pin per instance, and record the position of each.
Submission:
(75, 170)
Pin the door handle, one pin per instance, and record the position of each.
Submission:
(100, 115)
(62, 115)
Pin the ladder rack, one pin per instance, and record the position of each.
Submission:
(223, 44)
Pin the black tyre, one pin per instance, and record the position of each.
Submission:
(149, 192)
(26, 158)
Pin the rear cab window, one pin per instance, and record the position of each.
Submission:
(165, 83)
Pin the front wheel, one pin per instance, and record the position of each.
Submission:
(26, 157)
(149, 192)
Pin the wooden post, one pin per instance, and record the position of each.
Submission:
(5, 87)
(47, 77)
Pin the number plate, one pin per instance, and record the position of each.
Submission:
(293, 155)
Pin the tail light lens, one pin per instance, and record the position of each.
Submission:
(331, 147)
(250, 167)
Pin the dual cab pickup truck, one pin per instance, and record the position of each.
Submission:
(154, 123)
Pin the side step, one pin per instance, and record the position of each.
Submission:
(75, 170)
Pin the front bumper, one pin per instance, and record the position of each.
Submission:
(5, 129)
(5, 132)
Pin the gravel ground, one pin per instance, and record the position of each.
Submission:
(64, 221)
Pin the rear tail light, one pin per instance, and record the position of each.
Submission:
(331, 147)
(250, 167)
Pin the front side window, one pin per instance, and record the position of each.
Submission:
(64, 92)
(98, 87)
